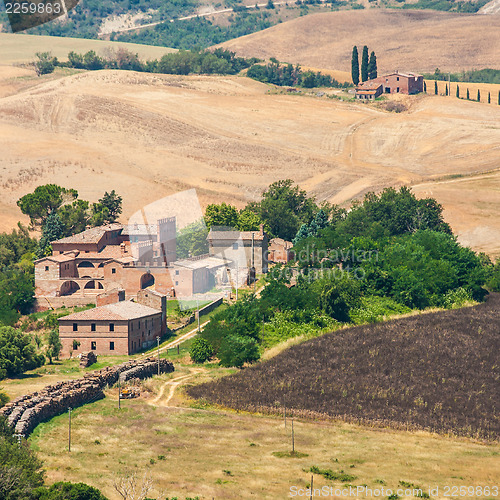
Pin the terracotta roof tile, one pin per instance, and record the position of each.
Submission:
(92, 235)
(124, 310)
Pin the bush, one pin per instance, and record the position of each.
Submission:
(457, 298)
(201, 350)
(68, 491)
(236, 351)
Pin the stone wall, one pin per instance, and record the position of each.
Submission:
(26, 412)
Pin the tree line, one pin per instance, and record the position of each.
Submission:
(289, 75)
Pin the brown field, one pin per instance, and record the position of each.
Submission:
(20, 48)
(147, 136)
(404, 40)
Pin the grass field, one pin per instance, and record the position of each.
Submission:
(20, 48)
(189, 450)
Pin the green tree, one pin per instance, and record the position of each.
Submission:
(17, 353)
(355, 66)
(221, 215)
(15, 245)
(493, 282)
(54, 346)
(435, 87)
(468, 95)
(92, 61)
(52, 230)
(20, 470)
(44, 63)
(201, 350)
(67, 491)
(75, 216)
(338, 296)
(489, 98)
(250, 221)
(270, 4)
(17, 295)
(478, 96)
(75, 60)
(236, 350)
(446, 90)
(458, 92)
(192, 240)
(113, 203)
(372, 66)
(44, 201)
(364, 64)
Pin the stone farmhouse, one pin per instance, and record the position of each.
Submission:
(393, 83)
(124, 327)
(247, 249)
(280, 251)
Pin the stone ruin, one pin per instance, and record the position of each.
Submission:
(87, 359)
(26, 412)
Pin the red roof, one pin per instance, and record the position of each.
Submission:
(124, 310)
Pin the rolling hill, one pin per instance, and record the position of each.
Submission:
(150, 135)
(408, 40)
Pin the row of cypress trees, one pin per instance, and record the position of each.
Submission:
(457, 93)
(368, 65)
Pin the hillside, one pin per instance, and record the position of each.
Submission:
(149, 135)
(407, 373)
(402, 39)
(18, 48)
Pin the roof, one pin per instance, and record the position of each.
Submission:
(209, 262)
(124, 310)
(368, 85)
(281, 242)
(140, 229)
(235, 235)
(57, 258)
(92, 235)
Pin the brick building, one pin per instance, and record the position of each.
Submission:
(369, 90)
(280, 251)
(393, 83)
(121, 328)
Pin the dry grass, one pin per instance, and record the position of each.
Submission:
(451, 42)
(145, 135)
(226, 455)
(19, 48)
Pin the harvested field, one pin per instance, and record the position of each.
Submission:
(436, 371)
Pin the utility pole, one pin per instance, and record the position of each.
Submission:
(69, 430)
(119, 392)
(293, 439)
(237, 280)
(198, 307)
(158, 342)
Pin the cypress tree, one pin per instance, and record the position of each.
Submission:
(458, 92)
(499, 97)
(372, 66)
(364, 64)
(489, 98)
(425, 87)
(478, 96)
(355, 66)
(435, 87)
(446, 90)
(468, 95)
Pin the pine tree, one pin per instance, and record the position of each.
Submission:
(372, 66)
(458, 92)
(364, 64)
(435, 87)
(468, 95)
(446, 90)
(478, 96)
(489, 98)
(355, 66)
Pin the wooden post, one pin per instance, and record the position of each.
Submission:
(69, 430)
(312, 485)
(158, 343)
(119, 392)
(293, 439)
(178, 348)
(284, 404)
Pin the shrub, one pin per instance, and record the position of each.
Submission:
(201, 350)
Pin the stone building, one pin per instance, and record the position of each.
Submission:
(369, 90)
(280, 251)
(247, 249)
(121, 328)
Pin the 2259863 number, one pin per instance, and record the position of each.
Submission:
(33, 8)
(470, 491)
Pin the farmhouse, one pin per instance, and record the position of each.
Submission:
(247, 249)
(393, 83)
(121, 328)
(280, 251)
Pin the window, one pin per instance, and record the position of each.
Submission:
(113, 270)
(111, 327)
(111, 346)
(235, 246)
(397, 89)
(46, 268)
(93, 346)
(92, 327)
(176, 283)
(145, 323)
(397, 78)
(139, 324)
(177, 272)
(131, 326)
(75, 327)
